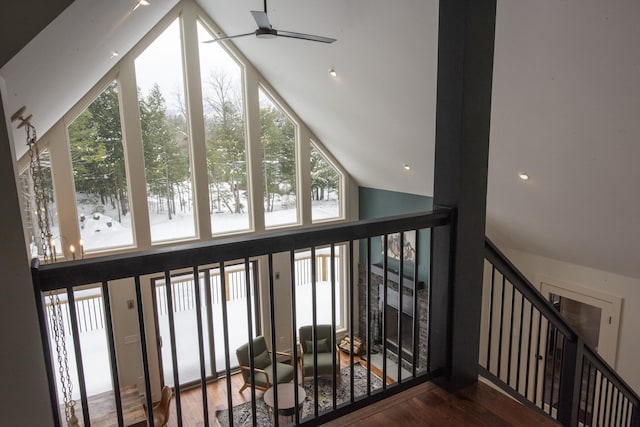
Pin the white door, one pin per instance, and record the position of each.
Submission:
(593, 314)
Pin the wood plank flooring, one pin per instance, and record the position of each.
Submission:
(429, 405)
(425, 405)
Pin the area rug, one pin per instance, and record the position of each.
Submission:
(242, 413)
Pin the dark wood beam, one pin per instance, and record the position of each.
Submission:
(463, 109)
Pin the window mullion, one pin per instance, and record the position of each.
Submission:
(254, 152)
(304, 174)
(134, 153)
(62, 174)
(195, 119)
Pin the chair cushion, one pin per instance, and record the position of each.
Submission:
(324, 346)
(325, 364)
(262, 360)
(285, 375)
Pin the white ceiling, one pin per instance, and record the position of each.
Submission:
(566, 102)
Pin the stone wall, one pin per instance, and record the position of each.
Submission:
(375, 325)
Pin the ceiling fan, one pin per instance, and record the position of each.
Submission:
(266, 31)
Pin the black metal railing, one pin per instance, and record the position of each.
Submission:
(355, 259)
(532, 353)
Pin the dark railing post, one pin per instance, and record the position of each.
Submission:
(570, 379)
(41, 306)
(466, 39)
(635, 416)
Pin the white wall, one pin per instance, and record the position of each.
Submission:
(628, 288)
(24, 397)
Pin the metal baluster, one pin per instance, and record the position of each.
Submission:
(526, 381)
(368, 298)
(336, 370)
(416, 316)
(490, 318)
(314, 330)
(511, 310)
(400, 305)
(272, 327)
(501, 328)
(587, 363)
(599, 418)
(203, 373)
(78, 350)
(225, 333)
(520, 343)
(294, 334)
(145, 354)
(250, 333)
(385, 278)
(174, 350)
(112, 351)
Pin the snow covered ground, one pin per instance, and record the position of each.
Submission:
(100, 228)
(187, 333)
(95, 353)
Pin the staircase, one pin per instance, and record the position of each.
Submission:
(530, 352)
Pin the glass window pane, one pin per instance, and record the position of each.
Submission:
(278, 135)
(99, 174)
(326, 184)
(165, 137)
(223, 106)
(31, 211)
(304, 288)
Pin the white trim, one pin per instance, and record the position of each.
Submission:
(195, 121)
(124, 73)
(610, 305)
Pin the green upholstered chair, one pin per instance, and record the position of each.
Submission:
(327, 352)
(263, 367)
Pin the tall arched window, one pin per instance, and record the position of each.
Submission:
(165, 138)
(326, 188)
(223, 106)
(279, 166)
(99, 174)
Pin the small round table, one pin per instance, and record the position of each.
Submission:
(286, 401)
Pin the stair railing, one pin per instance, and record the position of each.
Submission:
(530, 351)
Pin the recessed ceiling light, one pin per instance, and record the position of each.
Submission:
(523, 176)
(141, 3)
(406, 167)
(333, 73)
(114, 54)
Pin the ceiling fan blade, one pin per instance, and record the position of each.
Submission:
(229, 37)
(261, 19)
(292, 35)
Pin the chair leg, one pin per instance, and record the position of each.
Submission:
(244, 386)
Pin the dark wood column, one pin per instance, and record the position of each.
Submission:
(465, 66)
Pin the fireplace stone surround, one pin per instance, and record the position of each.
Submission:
(377, 288)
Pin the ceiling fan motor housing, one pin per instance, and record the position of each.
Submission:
(266, 33)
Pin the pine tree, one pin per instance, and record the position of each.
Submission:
(166, 162)
(279, 159)
(226, 152)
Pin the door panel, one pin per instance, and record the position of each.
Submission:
(595, 315)
(185, 320)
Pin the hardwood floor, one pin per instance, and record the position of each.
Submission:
(191, 400)
(425, 405)
(431, 406)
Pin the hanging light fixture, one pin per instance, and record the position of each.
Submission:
(45, 241)
(47, 245)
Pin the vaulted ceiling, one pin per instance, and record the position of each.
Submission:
(566, 102)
